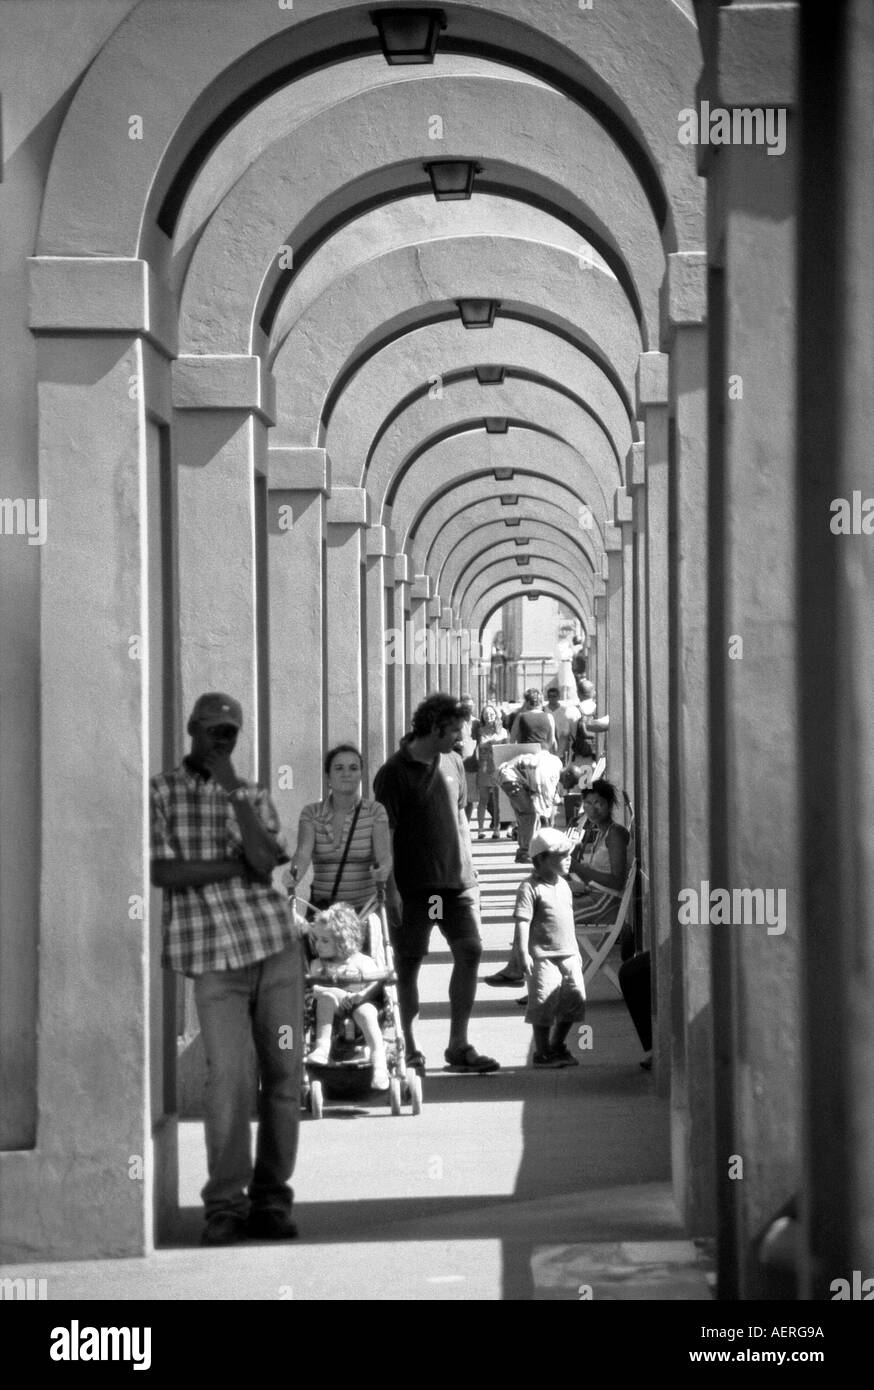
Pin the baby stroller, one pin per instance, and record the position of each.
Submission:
(348, 1073)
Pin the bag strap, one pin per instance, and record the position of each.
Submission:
(345, 853)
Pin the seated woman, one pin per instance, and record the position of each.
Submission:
(346, 837)
(599, 862)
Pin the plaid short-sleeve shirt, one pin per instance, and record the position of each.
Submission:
(219, 926)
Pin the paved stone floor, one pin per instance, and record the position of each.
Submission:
(517, 1185)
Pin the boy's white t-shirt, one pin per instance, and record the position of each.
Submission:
(549, 910)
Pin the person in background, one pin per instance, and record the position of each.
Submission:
(490, 731)
(534, 724)
(566, 717)
(530, 781)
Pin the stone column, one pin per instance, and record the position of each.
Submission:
(434, 610)
(756, 668)
(223, 406)
(445, 651)
(299, 482)
(684, 334)
(96, 1112)
(398, 675)
(599, 603)
(418, 659)
(623, 520)
(612, 561)
(380, 578)
(836, 427)
(347, 512)
(652, 410)
(636, 486)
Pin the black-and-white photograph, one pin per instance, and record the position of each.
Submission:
(437, 682)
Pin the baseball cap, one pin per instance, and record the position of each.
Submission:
(549, 841)
(215, 708)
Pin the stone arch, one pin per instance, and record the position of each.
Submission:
(393, 293)
(505, 590)
(506, 569)
(493, 539)
(321, 176)
(192, 85)
(403, 368)
(464, 405)
(462, 531)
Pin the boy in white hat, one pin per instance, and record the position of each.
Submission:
(547, 944)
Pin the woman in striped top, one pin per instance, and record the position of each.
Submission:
(323, 833)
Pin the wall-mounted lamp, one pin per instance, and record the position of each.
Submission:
(408, 36)
(490, 375)
(523, 559)
(528, 579)
(509, 499)
(521, 540)
(513, 521)
(477, 313)
(502, 475)
(496, 424)
(452, 179)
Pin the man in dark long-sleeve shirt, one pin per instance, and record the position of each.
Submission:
(423, 789)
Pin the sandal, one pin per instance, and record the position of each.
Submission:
(470, 1060)
(416, 1060)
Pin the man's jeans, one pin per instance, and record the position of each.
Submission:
(527, 818)
(264, 1001)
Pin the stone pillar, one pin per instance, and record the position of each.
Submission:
(612, 561)
(692, 1101)
(347, 513)
(623, 520)
(380, 578)
(398, 676)
(299, 481)
(756, 670)
(434, 610)
(836, 584)
(599, 603)
(652, 410)
(636, 486)
(445, 652)
(223, 406)
(418, 660)
(93, 1100)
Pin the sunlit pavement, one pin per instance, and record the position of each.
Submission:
(515, 1185)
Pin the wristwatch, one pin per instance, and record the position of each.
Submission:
(238, 794)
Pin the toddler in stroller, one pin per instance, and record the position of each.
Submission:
(336, 935)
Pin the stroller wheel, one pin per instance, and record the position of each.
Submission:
(394, 1095)
(317, 1099)
(414, 1084)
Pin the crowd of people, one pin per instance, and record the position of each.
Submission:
(216, 844)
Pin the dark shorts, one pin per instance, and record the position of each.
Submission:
(455, 912)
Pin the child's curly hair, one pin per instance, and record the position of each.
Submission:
(343, 924)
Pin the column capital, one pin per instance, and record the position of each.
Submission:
(600, 603)
(421, 586)
(100, 294)
(238, 382)
(348, 506)
(435, 607)
(612, 540)
(623, 506)
(446, 618)
(380, 540)
(651, 380)
(635, 465)
(756, 60)
(402, 569)
(298, 470)
(684, 291)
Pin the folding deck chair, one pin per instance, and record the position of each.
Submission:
(598, 940)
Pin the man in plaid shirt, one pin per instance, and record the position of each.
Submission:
(215, 843)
